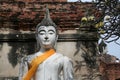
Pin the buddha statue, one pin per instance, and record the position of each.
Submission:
(46, 64)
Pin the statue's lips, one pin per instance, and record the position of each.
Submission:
(47, 42)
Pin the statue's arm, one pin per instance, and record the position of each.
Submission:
(68, 69)
(23, 69)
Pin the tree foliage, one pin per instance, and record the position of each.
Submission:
(108, 23)
(110, 10)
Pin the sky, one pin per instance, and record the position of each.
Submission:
(113, 48)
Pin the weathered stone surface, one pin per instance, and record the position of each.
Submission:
(62, 37)
(26, 15)
(8, 78)
(110, 71)
(19, 16)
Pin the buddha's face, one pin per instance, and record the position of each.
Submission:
(47, 36)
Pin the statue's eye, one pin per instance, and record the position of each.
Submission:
(41, 32)
(51, 32)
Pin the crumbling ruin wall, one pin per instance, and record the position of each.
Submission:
(18, 20)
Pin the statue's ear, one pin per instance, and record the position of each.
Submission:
(36, 35)
(56, 38)
(37, 42)
(55, 45)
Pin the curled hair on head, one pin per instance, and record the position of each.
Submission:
(47, 21)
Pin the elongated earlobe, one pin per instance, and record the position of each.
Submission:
(56, 37)
(55, 46)
(37, 42)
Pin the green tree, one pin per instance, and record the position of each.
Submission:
(110, 10)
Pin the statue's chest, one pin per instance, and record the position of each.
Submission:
(52, 64)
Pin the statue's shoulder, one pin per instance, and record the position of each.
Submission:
(66, 58)
(28, 58)
(62, 55)
(31, 55)
(59, 54)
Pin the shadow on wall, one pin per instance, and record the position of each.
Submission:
(8, 78)
(19, 50)
(89, 54)
(1, 45)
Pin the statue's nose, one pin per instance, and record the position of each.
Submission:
(46, 37)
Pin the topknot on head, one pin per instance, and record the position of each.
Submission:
(47, 21)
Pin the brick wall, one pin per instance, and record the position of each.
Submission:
(110, 71)
(26, 15)
(37, 0)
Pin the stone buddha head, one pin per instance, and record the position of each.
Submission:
(46, 32)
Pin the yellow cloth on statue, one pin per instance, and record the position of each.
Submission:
(35, 63)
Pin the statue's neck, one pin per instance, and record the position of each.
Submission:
(44, 49)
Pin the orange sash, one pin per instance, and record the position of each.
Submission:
(35, 63)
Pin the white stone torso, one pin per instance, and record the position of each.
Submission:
(52, 67)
